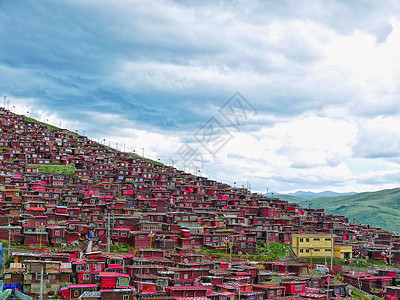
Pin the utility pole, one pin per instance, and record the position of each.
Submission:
(327, 291)
(9, 239)
(109, 232)
(5, 97)
(331, 251)
(143, 152)
(41, 285)
(230, 255)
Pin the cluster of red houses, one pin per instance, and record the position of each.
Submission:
(154, 274)
(115, 197)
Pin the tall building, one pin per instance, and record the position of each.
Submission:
(315, 245)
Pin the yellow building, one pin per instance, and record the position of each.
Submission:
(317, 245)
(343, 252)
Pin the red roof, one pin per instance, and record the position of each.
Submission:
(177, 288)
(112, 274)
(371, 278)
(82, 286)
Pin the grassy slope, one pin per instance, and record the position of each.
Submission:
(379, 209)
(27, 119)
(66, 169)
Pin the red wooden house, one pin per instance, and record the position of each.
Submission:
(111, 280)
(141, 239)
(75, 290)
(188, 291)
(294, 287)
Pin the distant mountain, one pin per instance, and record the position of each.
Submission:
(289, 198)
(311, 195)
(379, 209)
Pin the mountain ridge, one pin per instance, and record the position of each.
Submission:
(313, 195)
(375, 208)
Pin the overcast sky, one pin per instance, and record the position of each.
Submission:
(318, 105)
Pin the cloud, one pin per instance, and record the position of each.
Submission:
(322, 76)
(378, 138)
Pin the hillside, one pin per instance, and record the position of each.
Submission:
(37, 158)
(62, 191)
(379, 209)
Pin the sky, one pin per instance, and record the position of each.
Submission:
(277, 96)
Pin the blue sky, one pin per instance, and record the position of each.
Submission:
(318, 107)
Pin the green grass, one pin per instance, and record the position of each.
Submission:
(134, 155)
(272, 249)
(261, 257)
(375, 208)
(121, 248)
(55, 168)
(52, 127)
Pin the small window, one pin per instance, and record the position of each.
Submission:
(97, 267)
(307, 240)
(307, 250)
(316, 240)
(125, 297)
(301, 250)
(298, 287)
(301, 240)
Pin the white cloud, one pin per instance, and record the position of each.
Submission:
(323, 77)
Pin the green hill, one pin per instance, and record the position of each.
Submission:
(379, 209)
